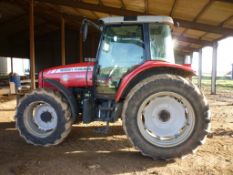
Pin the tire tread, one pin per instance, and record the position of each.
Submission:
(183, 82)
(65, 110)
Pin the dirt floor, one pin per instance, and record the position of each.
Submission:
(86, 152)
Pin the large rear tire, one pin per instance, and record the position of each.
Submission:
(166, 117)
(43, 118)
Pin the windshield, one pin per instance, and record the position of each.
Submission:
(121, 49)
(161, 44)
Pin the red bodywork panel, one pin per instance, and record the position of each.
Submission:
(73, 75)
(148, 65)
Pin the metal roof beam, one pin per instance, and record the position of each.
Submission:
(93, 7)
(204, 27)
(120, 11)
(173, 7)
(185, 48)
(192, 40)
(122, 4)
(227, 1)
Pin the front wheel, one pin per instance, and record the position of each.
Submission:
(166, 117)
(43, 118)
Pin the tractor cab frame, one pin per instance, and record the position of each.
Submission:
(126, 43)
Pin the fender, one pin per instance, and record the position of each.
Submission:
(67, 94)
(149, 68)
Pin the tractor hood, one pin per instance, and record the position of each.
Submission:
(72, 75)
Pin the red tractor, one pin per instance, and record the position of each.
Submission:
(133, 78)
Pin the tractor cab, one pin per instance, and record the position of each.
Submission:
(127, 42)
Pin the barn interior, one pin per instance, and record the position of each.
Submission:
(48, 31)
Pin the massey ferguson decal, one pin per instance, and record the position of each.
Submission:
(70, 69)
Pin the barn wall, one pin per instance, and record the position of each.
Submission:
(48, 49)
(179, 59)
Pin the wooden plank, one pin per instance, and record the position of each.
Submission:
(146, 6)
(135, 5)
(160, 7)
(211, 37)
(93, 7)
(112, 3)
(216, 14)
(207, 5)
(188, 10)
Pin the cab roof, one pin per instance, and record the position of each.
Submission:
(137, 19)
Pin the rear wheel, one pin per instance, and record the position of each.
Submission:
(43, 118)
(166, 117)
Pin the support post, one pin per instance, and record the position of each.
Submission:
(32, 44)
(200, 68)
(191, 62)
(191, 58)
(63, 52)
(12, 67)
(214, 68)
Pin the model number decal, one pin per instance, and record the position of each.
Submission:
(71, 69)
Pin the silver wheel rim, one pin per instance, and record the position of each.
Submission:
(40, 119)
(166, 119)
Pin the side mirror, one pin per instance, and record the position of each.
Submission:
(84, 27)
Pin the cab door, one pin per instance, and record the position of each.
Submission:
(121, 49)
